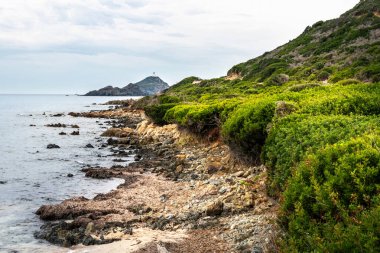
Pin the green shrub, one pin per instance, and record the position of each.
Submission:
(165, 99)
(348, 82)
(331, 202)
(300, 87)
(197, 117)
(278, 80)
(157, 112)
(352, 99)
(323, 75)
(246, 126)
(292, 137)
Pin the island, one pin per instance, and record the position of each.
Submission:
(149, 86)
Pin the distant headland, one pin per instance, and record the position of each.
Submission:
(149, 86)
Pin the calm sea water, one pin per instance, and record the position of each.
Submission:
(31, 175)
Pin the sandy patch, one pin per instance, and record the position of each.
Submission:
(131, 243)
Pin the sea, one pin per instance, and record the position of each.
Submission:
(32, 175)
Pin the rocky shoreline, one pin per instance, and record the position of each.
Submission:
(178, 183)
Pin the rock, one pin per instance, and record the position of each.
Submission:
(75, 133)
(247, 173)
(257, 249)
(70, 175)
(170, 216)
(118, 132)
(89, 146)
(283, 108)
(168, 142)
(179, 169)
(58, 115)
(164, 198)
(211, 169)
(97, 173)
(89, 228)
(194, 176)
(56, 125)
(74, 126)
(215, 208)
(239, 174)
(161, 249)
(3, 182)
(119, 160)
(112, 141)
(137, 158)
(223, 190)
(52, 146)
(62, 133)
(32, 125)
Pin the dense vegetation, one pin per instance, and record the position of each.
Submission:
(310, 111)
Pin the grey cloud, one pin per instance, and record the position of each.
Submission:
(136, 3)
(176, 35)
(106, 17)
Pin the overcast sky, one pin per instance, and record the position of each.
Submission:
(71, 46)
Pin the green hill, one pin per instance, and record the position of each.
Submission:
(309, 111)
(347, 47)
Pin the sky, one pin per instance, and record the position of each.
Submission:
(71, 46)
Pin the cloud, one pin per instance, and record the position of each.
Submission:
(199, 37)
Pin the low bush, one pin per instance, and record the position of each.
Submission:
(332, 201)
(348, 82)
(157, 112)
(294, 136)
(323, 75)
(278, 80)
(300, 87)
(246, 126)
(196, 117)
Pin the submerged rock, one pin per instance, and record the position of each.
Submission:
(52, 146)
(257, 249)
(56, 125)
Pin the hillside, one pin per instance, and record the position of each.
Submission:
(309, 111)
(149, 86)
(347, 47)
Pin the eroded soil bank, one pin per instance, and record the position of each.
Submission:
(182, 194)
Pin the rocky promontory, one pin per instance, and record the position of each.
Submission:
(149, 86)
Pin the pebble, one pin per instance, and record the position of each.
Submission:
(223, 190)
(257, 249)
(239, 174)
